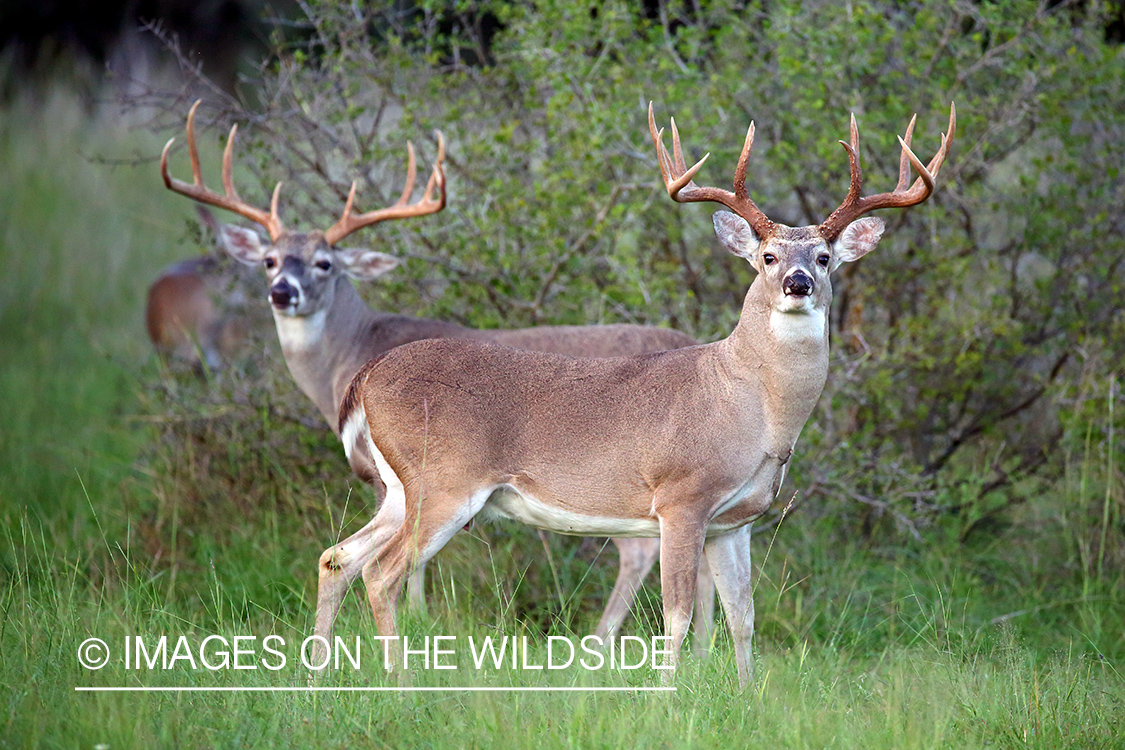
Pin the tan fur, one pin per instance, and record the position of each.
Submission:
(690, 445)
(194, 308)
(693, 440)
(178, 309)
(327, 333)
(184, 319)
(335, 333)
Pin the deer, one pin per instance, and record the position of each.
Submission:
(688, 445)
(180, 314)
(194, 309)
(327, 333)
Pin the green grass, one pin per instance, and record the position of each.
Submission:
(133, 503)
(940, 683)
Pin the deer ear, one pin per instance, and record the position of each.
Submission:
(858, 239)
(244, 244)
(365, 265)
(737, 236)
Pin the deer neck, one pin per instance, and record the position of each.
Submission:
(325, 349)
(780, 359)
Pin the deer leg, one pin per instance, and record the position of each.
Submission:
(636, 556)
(681, 546)
(729, 557)
(429, 524)
(380, 476)
(342, 563)
(704, 618)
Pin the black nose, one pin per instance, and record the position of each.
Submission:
(283, 294)
(798, 283)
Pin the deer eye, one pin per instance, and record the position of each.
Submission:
(822, 259)
(270, 263)
(324, 265)
(768, 259)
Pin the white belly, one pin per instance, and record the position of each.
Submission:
(508, 502)
(715, 529)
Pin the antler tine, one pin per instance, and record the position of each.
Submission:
(855, 184)
(198, 191)
(854, 206)
(437, 176)
(743, 160)
(678, 179)
(924, 176)
(411, 173)
(661, 154)
(274, 218)
(904, 160)
(402, 208)
(677, 151)
(228, 153)
(193, 152)
(946, 138)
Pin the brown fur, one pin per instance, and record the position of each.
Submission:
(190, 312)
(178, 308)
(180, 315)
(331, 333)
(323, 355)
(677, 444)
(689, 445)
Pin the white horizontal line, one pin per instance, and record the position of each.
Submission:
(344, 689)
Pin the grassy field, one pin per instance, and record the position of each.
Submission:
(127, 514)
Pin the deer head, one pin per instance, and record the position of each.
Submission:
(303, 268)
(794, 263)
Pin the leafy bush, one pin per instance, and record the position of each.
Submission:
(973, 353)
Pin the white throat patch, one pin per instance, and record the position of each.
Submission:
(797, 326)
(300, 332)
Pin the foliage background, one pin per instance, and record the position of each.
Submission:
(973, 350)
(959, 489)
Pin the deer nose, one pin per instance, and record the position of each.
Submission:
(283, 294)
(798, 283)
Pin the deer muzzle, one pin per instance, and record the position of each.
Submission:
(797, 284)
(284, 294)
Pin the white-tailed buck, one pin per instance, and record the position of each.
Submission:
(689, 445)
(328, 332)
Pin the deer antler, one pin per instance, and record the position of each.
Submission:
(230, 201)
(678, 179)
(854, 206)
(401, 209)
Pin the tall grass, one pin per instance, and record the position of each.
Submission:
(78, 242)
(119, 520)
